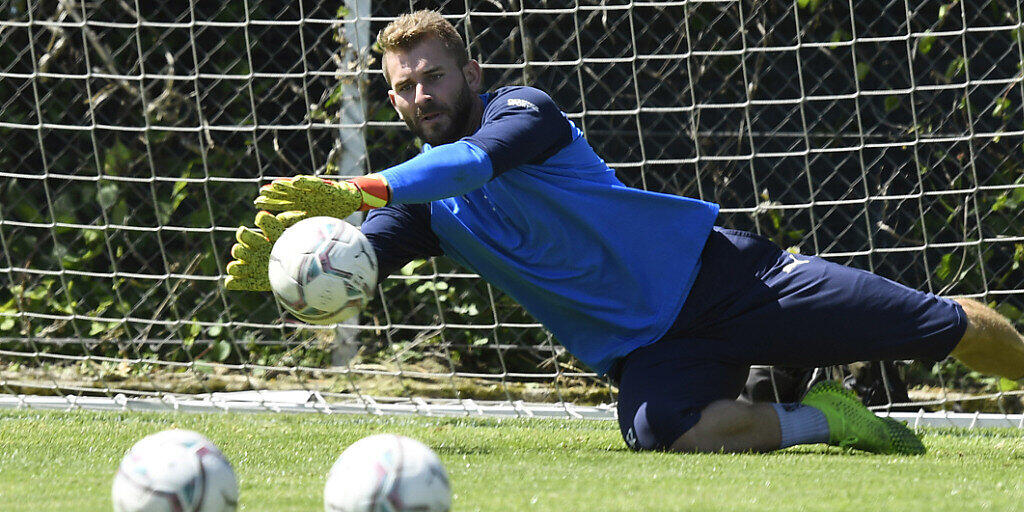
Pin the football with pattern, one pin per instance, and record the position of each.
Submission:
(323, 270)
(387, 473)
(175, 471)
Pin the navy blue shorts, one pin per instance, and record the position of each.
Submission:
(755, 304)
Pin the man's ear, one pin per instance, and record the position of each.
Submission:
(473, 74)
(391, 91)
(391, 99)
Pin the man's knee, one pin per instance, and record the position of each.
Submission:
(656, 425)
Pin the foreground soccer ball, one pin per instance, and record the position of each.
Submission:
(175, 471)
(387, 473)
(323, 270)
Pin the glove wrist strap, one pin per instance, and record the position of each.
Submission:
(374, 190)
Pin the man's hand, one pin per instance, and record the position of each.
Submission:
(248, 271)
(317, 196)
(312, 195)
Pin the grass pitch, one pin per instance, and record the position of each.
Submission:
(56, 461)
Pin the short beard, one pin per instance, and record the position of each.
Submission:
(459, 116)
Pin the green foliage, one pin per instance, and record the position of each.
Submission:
(863, 68)
(89, 238)
(104, 244)
(925, 44)
(891, 103)
(811, 5)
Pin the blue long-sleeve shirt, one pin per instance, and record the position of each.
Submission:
(526, 203)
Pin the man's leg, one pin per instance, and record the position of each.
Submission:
(794, 310)
(732, 426)
(828, 414)
(990, 345)
(752, 303)
(671, 400)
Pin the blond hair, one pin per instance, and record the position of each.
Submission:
(409, 29)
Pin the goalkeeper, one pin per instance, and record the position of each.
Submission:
(636, 284)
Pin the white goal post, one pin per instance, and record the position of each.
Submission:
(886, 135)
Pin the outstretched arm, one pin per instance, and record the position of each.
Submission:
(521, 125)
(444, 171)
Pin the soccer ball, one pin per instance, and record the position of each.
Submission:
(387, 473)
(323, 270)
(175, 471)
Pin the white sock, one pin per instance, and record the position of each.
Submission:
(801, 424)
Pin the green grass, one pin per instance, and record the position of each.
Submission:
(55, 461)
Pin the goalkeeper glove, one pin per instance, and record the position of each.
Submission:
(248, 271)
(317, 196)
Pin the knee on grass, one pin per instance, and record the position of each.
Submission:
(657, 425)
(723, 425)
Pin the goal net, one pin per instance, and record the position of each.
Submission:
(886, 135)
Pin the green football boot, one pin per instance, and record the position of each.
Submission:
(904, 440)
(852, 425)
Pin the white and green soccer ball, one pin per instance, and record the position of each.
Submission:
(323, 270)
(175, 471)
(387, 473)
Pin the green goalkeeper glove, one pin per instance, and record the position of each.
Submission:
(317, 196)
(248, 271)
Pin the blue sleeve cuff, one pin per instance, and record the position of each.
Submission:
(444, 171)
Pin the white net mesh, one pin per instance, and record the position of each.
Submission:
(886, 135)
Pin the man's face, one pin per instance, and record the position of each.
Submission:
(431, 92)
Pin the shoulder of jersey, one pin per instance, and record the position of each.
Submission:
(501, 97)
